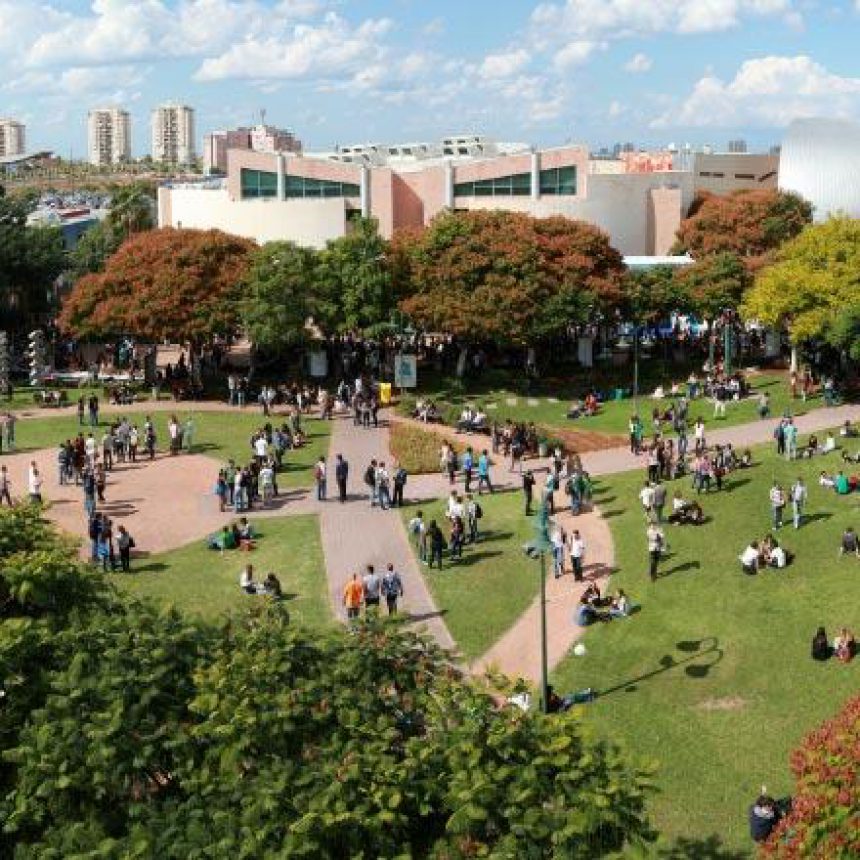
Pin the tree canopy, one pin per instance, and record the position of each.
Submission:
(504, 276)
(179, 284)
(750, 224)
(813, 288)
(130, 731)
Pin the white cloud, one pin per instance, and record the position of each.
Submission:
(325, 50)
(767, 92)
(615, 109)
(614, 19)
(575, 53)
(638, 63)
(504, 65)
(436, 27)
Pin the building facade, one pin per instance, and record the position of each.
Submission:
(724, 172)
(108, 136)
(13, 138)
(311, 199)
(173, 134)
(259, 138)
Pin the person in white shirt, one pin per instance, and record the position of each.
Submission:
(798, 501)
(646, 496)
(829, 443)
(261, 447)
(777, 504)
(34, 483)
(577, 554)
(620, 607)
(824, 480)
(267, 483)
(246, 580)
(750, 558)
(455, 507)
(90, 447)
(558, 539)
(777, 557)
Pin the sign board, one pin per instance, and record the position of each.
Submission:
(318, 364)
(405, 371)
(585, 350)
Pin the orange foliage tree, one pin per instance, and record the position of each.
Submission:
(750, 224)
(504, 276)
(183, 285)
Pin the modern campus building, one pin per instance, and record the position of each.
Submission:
(819, 162)
(108, 136)
(723, 172)
(312, 198)
(173, 134)
(258, 138)
(13, 138)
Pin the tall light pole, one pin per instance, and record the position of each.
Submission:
(539, 547)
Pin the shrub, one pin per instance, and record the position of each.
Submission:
(417, 450)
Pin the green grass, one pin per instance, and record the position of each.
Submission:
(713, 678)
(220, 435)
(613, 415)
(484, 594)
(206, 583)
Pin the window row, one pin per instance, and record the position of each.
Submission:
(554, 180)
(262, 183)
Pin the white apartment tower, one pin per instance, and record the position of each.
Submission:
(109, 136)
(12, 137)
(173, 134)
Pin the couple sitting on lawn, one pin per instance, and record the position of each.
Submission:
(838, 482)
(844, 646)
(237, 535)
(586, 407)
(270, 586)
(684, 512)
(762, 554)
(592, 607)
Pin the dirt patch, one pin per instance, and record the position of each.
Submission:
(727, 703)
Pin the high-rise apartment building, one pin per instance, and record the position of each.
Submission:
(109, 136)
(259, 138)
(737, 146)
(173, 134)
(13, 138)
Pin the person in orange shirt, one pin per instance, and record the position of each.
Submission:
(353, 594)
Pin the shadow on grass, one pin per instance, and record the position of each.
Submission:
(151, 567)
(709, 848)
(820, 515)
(731, 486)
(680, 568)
(416, 617)
(475, 557)
(707, 650)
(609, 514)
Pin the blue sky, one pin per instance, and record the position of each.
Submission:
(340, 71)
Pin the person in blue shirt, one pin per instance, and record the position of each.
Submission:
(484, 473)
(468, 465)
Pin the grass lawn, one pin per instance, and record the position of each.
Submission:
(548, 406)
(204, 582)
(713, 678)
(220, 435)
(482, 595)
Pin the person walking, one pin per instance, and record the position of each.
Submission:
(777, 504)
(798, 501)
(125, 544)
(341, 473)
(528, 490)
(320, 478)
(577, 554)
(418, 530)
(468, 465)
(372, 584)
(659, 500)
(383, 487)
(484, 472)
(779, 437)
(353, 594)
(400, 476)
(656, 544)
(4, 487)
(392, 589)
(790, 440)
(474, 512)
(436, 540)
(89, 488)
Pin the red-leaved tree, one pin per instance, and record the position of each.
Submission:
(183, 285)
(824, 823)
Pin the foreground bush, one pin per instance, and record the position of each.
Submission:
(825, 818)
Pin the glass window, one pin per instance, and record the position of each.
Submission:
(518, 184)
(558, 180)
(301, 186)
(258, 183)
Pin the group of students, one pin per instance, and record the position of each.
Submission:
(105, 547)
(368, 591)
(593, 606)
(384, 490)
(762, 554)
(430, 541)
(843, 647)
(473, 468)
(236, 535)
(269, 587)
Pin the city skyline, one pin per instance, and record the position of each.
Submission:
(340, 72)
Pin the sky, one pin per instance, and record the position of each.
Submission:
(597, 72)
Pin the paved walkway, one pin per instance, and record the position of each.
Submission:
(355, 534)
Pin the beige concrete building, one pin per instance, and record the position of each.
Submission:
(724, 172)
(259, 138)
(173, 133)
(13, 138)
(109, 136)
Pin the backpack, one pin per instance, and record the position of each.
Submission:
(370, 476)
(400, 477)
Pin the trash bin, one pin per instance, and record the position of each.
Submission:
(384, 393)
(619, 393)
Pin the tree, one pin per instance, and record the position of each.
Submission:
(354, 281)
(714, 283)
(132, 209)
(93, 249)
(504, 276)
(31, 259)
(750, 224)
(824, 823)
(184, 285)
(813, 288)
(279, 295)
(654, 294)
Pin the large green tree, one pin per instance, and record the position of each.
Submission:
(504, 276)
(714, 283)
(279, 295)
(813, 288)
(31, 258)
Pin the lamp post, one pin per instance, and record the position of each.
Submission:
(636, 367)
(539, 547)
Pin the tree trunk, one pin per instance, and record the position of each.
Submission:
(461, 361)
(793, 363)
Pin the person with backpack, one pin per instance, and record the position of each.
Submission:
(474, 512)
(418, 530)
(400, 476)
(528, 490)
(383, 487)
(320, 478)
(341, 473)
(392, 588)
(370, 483)
(437, 544)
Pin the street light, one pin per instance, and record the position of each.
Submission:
(539, 547)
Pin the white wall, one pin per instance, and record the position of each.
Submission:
(306, 222)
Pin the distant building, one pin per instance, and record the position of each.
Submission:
(312, 198)
(173, 134)
(819, 162)
(13, 138)
(724, 172)
(109, 136)
(738, 145)
(259, 138)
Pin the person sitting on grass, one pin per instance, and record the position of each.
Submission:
(746, 459)
(849, 544)
(225, 539)
(272, 587)
(772, 554)
(750, 558)
(829, 443)
(821, 650)
(684, 512)
(591, 404)
(826, 481)
(841, 484)
(245, 529)
(620, 606)
(246, 580)
(844, 646)
(764, 815)
(576, 409)
(848, 430)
